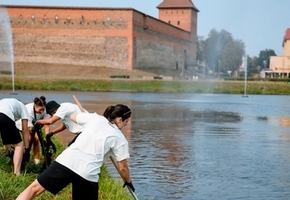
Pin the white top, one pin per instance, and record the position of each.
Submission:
(13, 108)
(30, 109)
(86, 155)
(64, 112)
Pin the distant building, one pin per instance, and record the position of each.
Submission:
(121, 38)
(280, 65)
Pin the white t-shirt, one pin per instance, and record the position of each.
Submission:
(30, 109)
(64, 112)
(86, 155)
(13, 108)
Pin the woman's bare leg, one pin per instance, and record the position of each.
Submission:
(33, 190)
(17, 158)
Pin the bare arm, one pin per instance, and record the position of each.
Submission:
(60, 128)
(25, 132)
(46, 129)
(124, 169)
(48, 121)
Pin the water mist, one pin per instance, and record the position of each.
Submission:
(6, 46)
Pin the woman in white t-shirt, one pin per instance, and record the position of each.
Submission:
(12, 110)
(81, 162)
(36, 111)
(61, 112)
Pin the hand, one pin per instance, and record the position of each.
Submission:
(37, 127)
(26, 155)
(49, 135)
(130, 185)
(34, 121)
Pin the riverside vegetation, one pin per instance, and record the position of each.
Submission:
(140, 85)
(43, 76)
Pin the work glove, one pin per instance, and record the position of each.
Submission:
(49, 135)
(36, 127)
(34, 121)
(26, 155)
(130, 185)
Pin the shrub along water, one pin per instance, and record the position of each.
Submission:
(129, 85)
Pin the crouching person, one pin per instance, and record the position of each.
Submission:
(81, 162)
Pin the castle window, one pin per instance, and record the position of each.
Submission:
(178, 22)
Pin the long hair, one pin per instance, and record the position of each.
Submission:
(118, 110)
(41, 101)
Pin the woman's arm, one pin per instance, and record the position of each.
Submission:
(48, 121)
(25, 132)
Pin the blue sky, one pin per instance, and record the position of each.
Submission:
(261, 24)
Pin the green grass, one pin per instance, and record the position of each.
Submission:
(11, 186)
(129, 85)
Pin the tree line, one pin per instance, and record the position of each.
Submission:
(221, 54)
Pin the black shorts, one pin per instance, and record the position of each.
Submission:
(56, 177)
(10, 134)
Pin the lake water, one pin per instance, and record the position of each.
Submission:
(199, 146)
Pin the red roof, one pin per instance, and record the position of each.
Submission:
(177, 4)
(287, 36)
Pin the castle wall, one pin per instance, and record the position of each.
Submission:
(156, 44)
(117, 38)
(71, 36)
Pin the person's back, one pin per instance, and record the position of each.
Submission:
(64, 112)
(13, 108)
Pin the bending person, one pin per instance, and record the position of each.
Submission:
(12, 110)
(81, 162)
(61, 112)
(36, 111)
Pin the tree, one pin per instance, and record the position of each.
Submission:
(263, 59)
(201, 43)
(252, 68)
(232, 56)
(222, 53)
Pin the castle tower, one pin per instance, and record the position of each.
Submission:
(182, 14)
(179, 13)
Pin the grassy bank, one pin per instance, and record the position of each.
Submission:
(218, 87)
(11, 186)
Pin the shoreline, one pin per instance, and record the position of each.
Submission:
(143, 85)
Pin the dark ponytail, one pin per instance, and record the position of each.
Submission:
(40, 101)
(119, 110)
